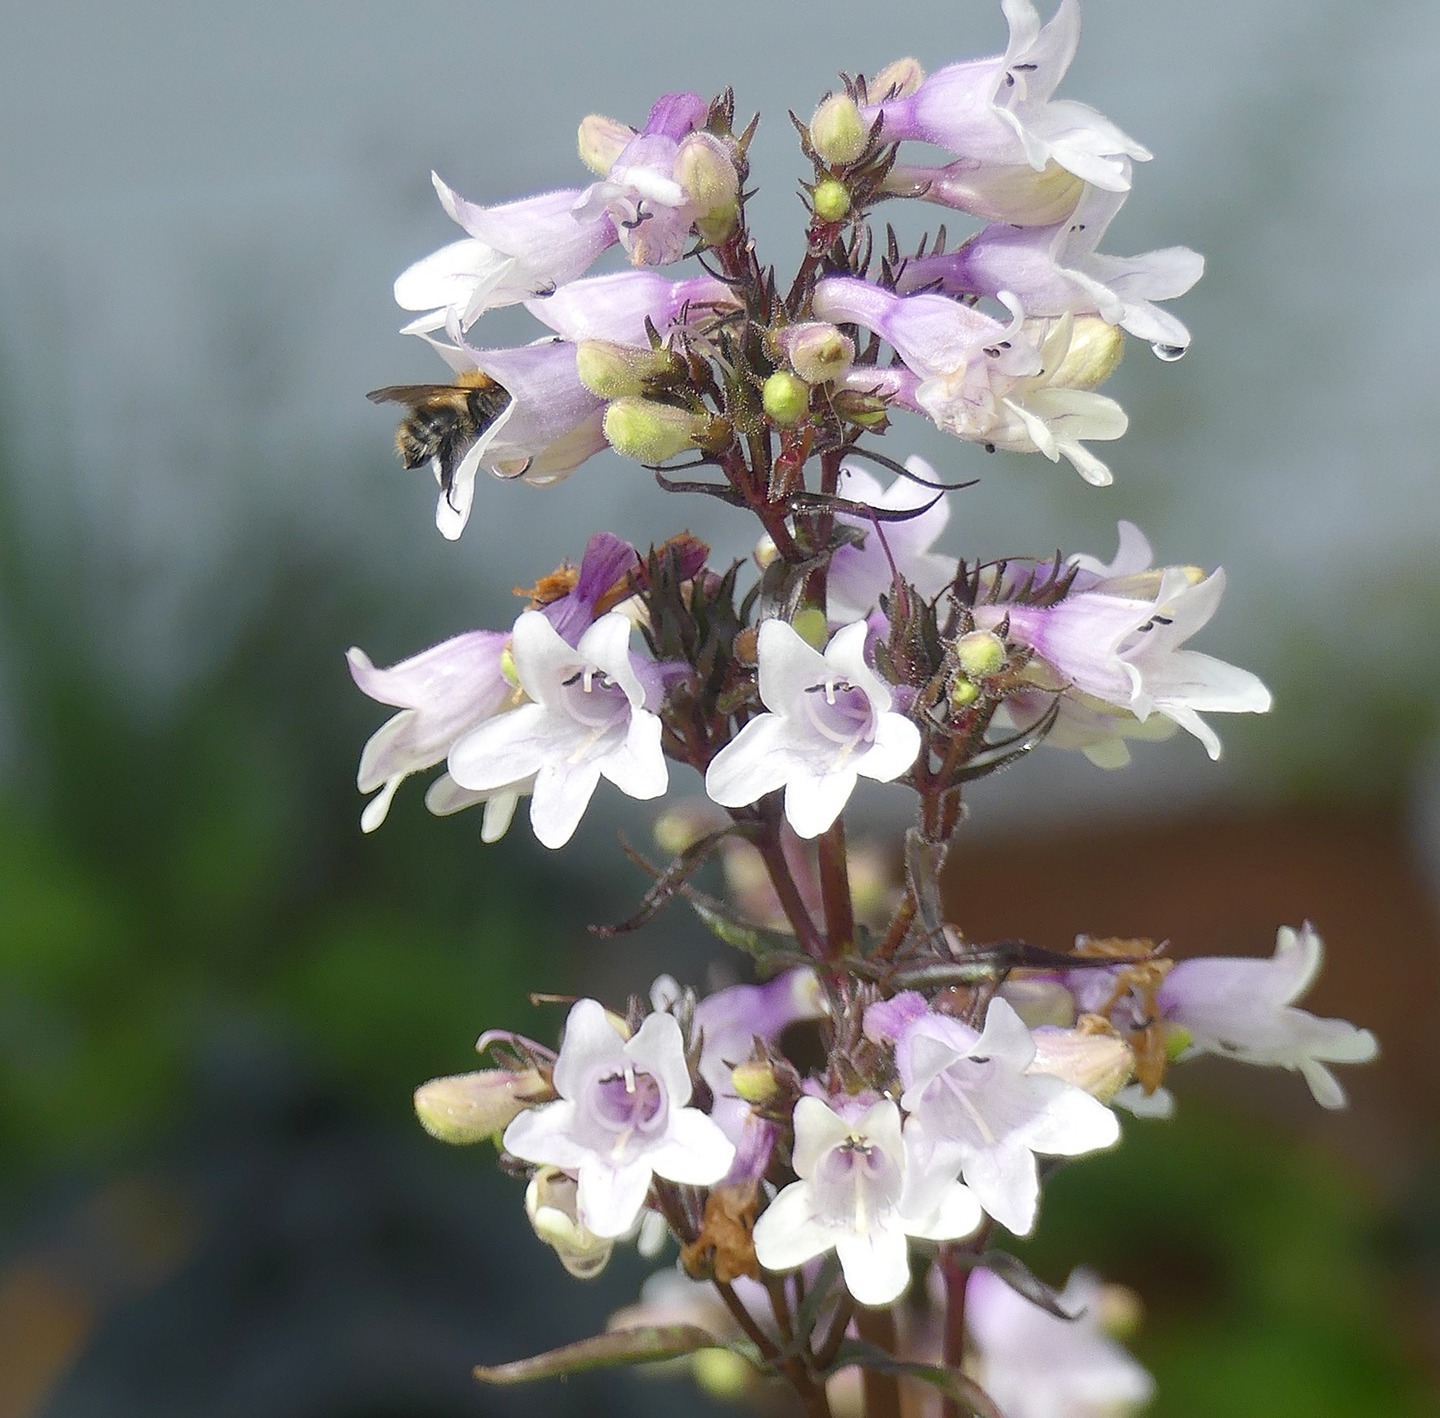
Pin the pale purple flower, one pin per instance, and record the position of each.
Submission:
(650, 192)
(1245, 1010)
(1014, 194)
(551, 425)
(621, 1119)
(1036, 1365)
(859, 575)
(441, 693)
(586, 720)
(856, 1195)
(975, 378)
(1000, 111)
(1056, 270)
(1115, 639)
(976, 1110)
(616, 307)
(829, 723)
(514, 252)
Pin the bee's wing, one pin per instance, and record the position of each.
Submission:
(408, 393)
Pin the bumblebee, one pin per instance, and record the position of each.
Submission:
(444, 420)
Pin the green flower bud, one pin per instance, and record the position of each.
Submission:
(868, 411)
(651, 432)
(786, 398)
(721, 1374)
(838, 132)
(469, 1107)
(1177, 1039)
(831, 200)
(613, 371)
(811, 626)
(754, 1081)
(601, 141)
(963, 693)
(507, 665)
(707, 173)
(980, 653)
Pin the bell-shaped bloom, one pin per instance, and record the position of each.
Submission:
(856, 1195)
(829, 723)
(667, 178)
(621, 1119)
(1116, 640)
(616, 307)
(1001, 112)
(859, 575)
(586, 720)
(1056, 270)
(1036, 1365)
(1245, 1010)
(977, 379)
(442, 693)
(551, 425)
(976, 1109)
(514, 252)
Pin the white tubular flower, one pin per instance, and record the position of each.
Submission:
(830, 722)
(514, 252)
(441, 693)
(621, 1119)
(1244, 1010)
(859, 575)
(976, 1109)
(587, 720)
(1036, 1365)
(1116, 639)
(856, 1196)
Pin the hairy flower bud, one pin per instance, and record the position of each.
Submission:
(811, 626)
(1095, 351)
(550, 1203)
(602, 140)
(817, 351)
(612, 371)
(469, 1107)
(980, 653)
(651, 432)
(838, 132)
(963, 693)
(870, 411)
(831, 200)
(899, 79)
(707, 173)
(786, 398)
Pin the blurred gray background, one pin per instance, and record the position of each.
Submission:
(214, 996)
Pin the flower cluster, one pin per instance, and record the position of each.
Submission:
(891, 1095)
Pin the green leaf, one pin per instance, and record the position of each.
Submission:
(603, 1351)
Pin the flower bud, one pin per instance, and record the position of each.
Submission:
(1095, 350)
(766, 553)
(838, 132)
(980, 653)
(830, 200)
(602, 140)
(551, 1205)
(723, 1375)
(652, 432)
(1040, 1002)
(786, 398)
(963, 693)
(817, 351)
(1015, 193)
(469, 1107)
(707, 173)
(869, 411)
(754, 1081)
(1177, 1039)
(1100, 1062)
(612, 371)
(811, 626)
(897, 80)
